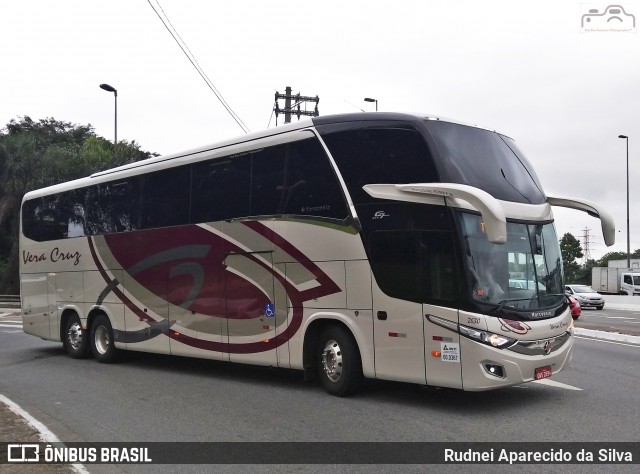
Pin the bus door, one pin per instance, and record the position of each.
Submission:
(251, 322)
(398, 332)
(250, 295)
(410, 267)
(39, 304)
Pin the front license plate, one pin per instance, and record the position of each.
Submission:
(543, 372)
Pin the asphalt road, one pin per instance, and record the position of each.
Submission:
(609, 319)
(147, 398)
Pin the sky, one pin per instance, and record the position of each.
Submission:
(526, 69)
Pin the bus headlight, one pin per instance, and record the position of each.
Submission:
(486, 337)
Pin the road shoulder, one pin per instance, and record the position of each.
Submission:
(15, 428)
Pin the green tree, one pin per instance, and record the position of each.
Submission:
(571, 250)
(604, 260)
(35, 154)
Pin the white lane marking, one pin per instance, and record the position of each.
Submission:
(2, 315)
(46, 435)
(608, 342)
(607, 335)
(553, 383)
(617, 317)
(9, 324)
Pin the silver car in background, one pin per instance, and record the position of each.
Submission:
(586, 296)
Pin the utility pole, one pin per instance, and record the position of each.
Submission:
(294, 109)
(586, 251)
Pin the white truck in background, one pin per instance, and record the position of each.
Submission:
(616, 280)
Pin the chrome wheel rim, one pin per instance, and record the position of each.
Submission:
(74, 335)
(102, 341)
(332, 360)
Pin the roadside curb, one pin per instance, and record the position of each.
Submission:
(20, 427)
(607, 336)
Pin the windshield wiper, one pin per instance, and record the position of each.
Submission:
(551, 295)
(503, 303)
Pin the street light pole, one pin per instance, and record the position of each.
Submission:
(369, 99)
(628, 232)
(108, 88)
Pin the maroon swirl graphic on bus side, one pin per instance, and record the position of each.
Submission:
(185, 266)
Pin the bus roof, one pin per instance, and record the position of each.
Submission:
(271, 132)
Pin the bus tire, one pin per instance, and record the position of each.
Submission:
(75, 339)
(339, 366)
(102, 343)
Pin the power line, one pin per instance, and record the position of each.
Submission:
(195, 64)
(209, 83)
(273, 109)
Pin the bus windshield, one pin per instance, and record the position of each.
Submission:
(523, 274)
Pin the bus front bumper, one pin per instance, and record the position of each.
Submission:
(486, 368)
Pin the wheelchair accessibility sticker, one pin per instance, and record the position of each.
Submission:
(602, 18)
(269, 310)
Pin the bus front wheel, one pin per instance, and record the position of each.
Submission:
(75, 340)
(102, 344)
(339, 367)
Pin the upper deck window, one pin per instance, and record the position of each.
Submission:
(295, 179)
(379, 155)
(291, 179)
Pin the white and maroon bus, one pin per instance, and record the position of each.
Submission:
(379, 245)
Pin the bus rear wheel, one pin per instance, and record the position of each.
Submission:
(75, 340)
(102, 343)
(339, 366)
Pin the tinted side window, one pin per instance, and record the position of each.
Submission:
(31, 219)
(313, 185)
(55, 217)
(414, 265)
(221, 189)
(269, 181)
(411, 248)
(380, 155)
(296, 179)
(165, 198)
(290, 179)
(113, 207)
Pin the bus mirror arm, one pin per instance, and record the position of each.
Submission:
(491, 210)
(593, 209)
